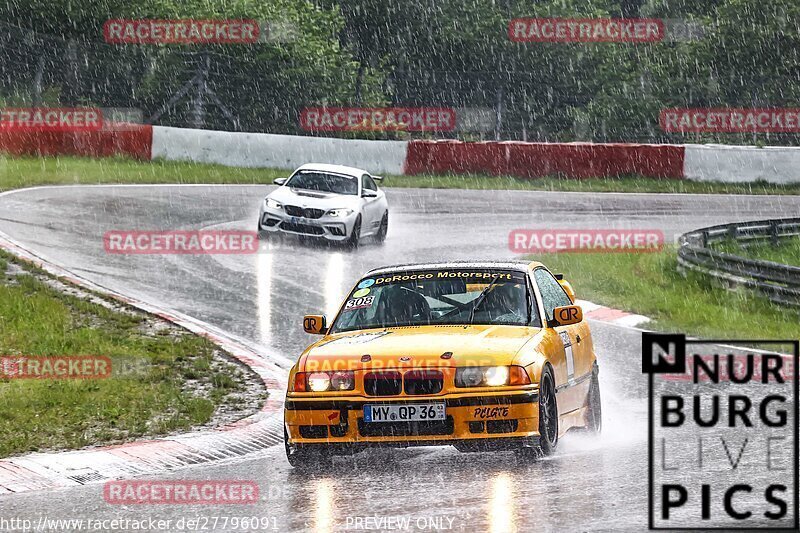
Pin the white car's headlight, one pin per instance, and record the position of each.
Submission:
(340, 212)
(272, 204)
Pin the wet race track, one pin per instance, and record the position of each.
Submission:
(587, 485)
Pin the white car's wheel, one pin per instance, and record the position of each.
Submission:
(380, 237)
(355, 234)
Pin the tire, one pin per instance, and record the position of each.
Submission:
(355, 234)
(548, 413)
(380, 237)
(594, 411)
(305, 459)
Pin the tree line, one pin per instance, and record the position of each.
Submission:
(453, 53)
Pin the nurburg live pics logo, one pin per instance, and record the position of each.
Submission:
(723, 433)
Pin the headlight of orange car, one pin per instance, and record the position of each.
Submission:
(491, 376)
(323, 381)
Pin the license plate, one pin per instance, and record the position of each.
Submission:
(419, 412)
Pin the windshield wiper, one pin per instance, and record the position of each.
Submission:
(479, 299)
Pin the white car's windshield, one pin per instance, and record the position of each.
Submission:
(324, 182)
(430, 297)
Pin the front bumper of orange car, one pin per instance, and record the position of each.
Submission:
(486, 420)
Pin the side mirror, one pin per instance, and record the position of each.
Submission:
(279, 181)
(315, 324)
(567, 286)
(567, 315)
(368, 193)
(377, 178)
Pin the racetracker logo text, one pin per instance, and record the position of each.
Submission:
(180, 492)
(77, 367)
(722, 444)
(527, 241)
(731, 120)
(566, 30)
(186, 31)
(378, 119)
(213, 242)
(51, 119)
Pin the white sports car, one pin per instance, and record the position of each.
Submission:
(331, 202)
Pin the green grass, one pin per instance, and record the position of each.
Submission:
(152, 398)
(623, 184)
(787, 253)
(29, 171)
(649, 284)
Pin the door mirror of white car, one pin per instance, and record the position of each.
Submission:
(279, 181)
(377, 178)
(368, 193)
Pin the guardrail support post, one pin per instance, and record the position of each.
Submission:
(773, 233)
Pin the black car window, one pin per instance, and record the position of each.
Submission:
(368, 183)
(312, 180)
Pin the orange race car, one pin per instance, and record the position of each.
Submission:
(478, 355)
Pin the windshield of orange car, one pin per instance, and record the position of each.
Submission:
(439, 297)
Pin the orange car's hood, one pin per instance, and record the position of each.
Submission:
(418, 346)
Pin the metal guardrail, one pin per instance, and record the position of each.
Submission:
(780, 283)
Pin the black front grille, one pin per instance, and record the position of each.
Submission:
(339, 431)
(302, 228)
(406, 429)
(314, 432)
(383, 383)
(336, 230)
(418, 382)
(476, 427)
(308, 212)
(501, 426)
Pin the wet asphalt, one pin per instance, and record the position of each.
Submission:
(588, 485)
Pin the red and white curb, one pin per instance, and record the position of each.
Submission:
(611, 316)
(37, 471)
